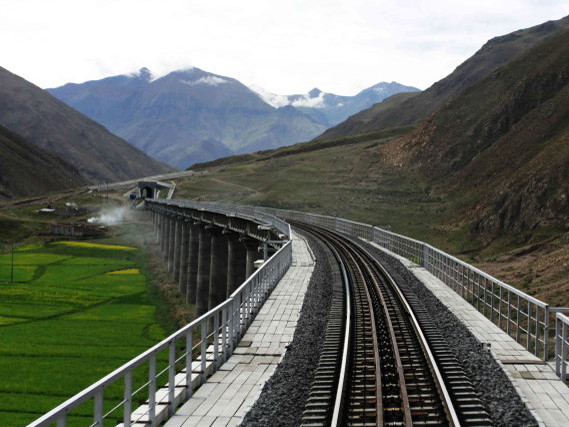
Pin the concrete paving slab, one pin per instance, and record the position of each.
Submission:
(232, 391)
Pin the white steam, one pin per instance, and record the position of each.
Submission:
(110, 216)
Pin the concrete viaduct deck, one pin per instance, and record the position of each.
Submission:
(212, 249)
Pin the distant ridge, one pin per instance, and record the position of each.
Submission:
(191, 115)
(54, 126)
(405, 109)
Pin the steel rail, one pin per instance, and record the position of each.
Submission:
(345, 348)
(439, 380)
(376, 357)
(402, 386)
(363, 264)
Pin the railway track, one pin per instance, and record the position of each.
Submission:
(383, 362)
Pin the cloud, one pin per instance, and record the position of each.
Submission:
(307, 101)
(208, 81)
(339, 46)
(272, 99)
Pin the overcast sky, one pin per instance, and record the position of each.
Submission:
(286, 47)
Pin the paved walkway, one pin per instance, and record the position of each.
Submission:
(229, 393)
(544, 393)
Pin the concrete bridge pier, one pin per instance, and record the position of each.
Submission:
(204, 263)
(155, 223)
(177, 248)
(184, 255)
(236, 259)
(157, 218)
(163, 232)
(168, 232)
(172, 243)
(208, 262)
(193, 258)
(252, 248)
(218, 268)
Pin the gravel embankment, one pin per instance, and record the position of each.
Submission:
(282, 400)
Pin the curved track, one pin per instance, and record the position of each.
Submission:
(377, 367)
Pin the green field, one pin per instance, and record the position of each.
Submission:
(74, 312)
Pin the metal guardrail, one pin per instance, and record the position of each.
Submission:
(230, 320)
(523, 317)
(247, 211)
(562, 346)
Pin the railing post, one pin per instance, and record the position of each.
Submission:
(189, 348)
(536, 330)
(518, 321)
(203, 354)
(546, 334)
(231, 328)
(152, 390)
(500, 307)
(215, 341)
(171, 378)
(558, 354)
(478, 293)
(62, 421)
(224, 332)
(528, 328)
(98, 410)
(492, 306)
(127, 412)
(565, 326)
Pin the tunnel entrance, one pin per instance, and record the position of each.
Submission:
(151, 189)
(147, 193)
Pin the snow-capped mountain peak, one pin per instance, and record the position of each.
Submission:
(312, 99)
(274, 100)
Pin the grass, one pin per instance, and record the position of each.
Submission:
(359, 180)
(75, 312)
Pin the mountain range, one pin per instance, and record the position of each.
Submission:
(191, 115)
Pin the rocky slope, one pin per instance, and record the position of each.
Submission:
(506, 140)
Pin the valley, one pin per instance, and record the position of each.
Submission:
(476, 165)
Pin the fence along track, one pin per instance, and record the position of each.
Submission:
(405, 365)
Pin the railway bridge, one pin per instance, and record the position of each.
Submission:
(409, 336)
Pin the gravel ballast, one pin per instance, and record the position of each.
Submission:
(283, 396)
(504, 405)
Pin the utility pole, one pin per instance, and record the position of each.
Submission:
(12, 269)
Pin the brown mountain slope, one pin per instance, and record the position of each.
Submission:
(502, 146)
(404, 110)
(28, 170)
(49, 123)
